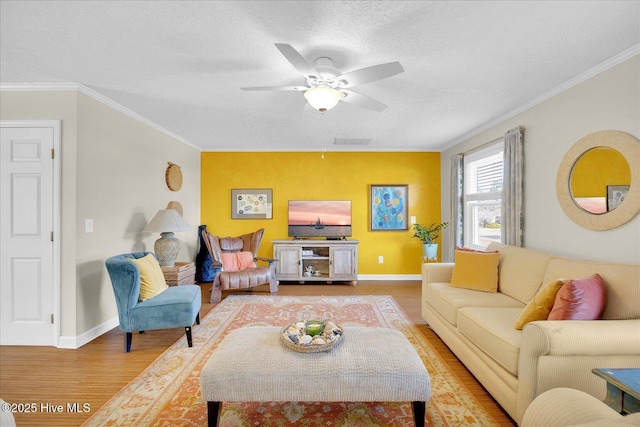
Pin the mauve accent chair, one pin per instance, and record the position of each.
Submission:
(176, 306)
(246, 278)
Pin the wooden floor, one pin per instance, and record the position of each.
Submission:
(45, 377)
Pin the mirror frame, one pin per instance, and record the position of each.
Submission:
(629, 147)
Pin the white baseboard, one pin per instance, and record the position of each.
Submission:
(389, 277)
(88, 336)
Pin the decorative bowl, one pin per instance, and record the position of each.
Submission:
(293, 336)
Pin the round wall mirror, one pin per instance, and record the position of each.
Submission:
(598, 181)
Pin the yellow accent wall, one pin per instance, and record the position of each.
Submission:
(339, 176)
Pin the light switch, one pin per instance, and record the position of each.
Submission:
(88, 225)
(413, 219)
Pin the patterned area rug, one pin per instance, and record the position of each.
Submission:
(167, 393)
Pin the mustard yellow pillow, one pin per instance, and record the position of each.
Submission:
(541, 304)
(476, 270)
(152, 281)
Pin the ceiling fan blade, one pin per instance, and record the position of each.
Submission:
(371, 74)
(361, 100)
(297, 88)
(297, 60)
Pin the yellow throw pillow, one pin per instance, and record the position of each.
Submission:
(152, 281)
(476, 270)
(540, 306)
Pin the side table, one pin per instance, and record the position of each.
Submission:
(623, 389)
(183, 273)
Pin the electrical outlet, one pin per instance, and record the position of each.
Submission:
(380, 259)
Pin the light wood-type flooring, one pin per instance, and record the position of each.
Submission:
(94, 373)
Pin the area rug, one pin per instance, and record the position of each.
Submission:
(167, 393)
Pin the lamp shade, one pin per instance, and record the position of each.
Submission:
(167, 220)
(166, 248)
(323, 98)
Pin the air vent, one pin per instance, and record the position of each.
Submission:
(352, 141)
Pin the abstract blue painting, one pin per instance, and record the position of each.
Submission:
(389, 207)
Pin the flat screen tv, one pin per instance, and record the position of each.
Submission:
(320, 218)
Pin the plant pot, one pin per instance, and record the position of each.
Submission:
(430, 251)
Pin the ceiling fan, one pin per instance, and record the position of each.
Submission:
(326, 86)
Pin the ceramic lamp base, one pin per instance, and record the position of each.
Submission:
(166, 249)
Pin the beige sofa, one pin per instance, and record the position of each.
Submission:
(566, 407)
(516, 366)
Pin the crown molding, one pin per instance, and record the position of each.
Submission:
(580, 78)
(68, 86)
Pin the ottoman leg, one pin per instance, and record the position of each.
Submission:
(213, 413)
(418, 413)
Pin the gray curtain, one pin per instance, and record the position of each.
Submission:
(455, 222)
(512, 215)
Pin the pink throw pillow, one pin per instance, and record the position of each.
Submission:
(245, 260)
(229, 261)
(582, 299)
(235, 261)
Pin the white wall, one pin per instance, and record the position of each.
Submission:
(608, 101)
(113, 171)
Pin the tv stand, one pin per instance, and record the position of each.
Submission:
(330, 260)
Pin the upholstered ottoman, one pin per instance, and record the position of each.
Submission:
(369, 365)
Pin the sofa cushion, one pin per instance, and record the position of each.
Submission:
(568, 407)
(231, 244)
(244, 279)
(491, 329)
(580, 299)
(521, 271)
(476, 270)
(541, 305)
(621, 280)
(447, 300)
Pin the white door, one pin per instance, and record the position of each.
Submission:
(26, 250)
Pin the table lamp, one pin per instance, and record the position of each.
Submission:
(166, 222)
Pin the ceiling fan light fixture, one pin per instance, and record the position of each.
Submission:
(323, 98)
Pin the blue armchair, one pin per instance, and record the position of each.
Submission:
(177, 306)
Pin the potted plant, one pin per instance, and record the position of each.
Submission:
(428, 235)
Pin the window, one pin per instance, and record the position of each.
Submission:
(482, 198)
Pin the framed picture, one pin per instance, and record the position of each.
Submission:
(251, 203)
(616, 195)
(388, 207)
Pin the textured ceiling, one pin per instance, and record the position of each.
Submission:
(180, 64)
